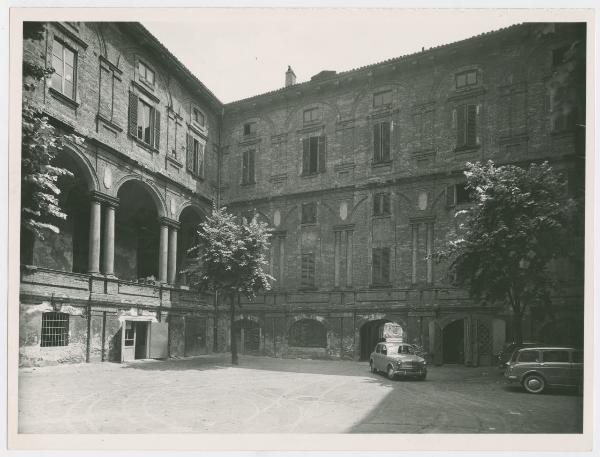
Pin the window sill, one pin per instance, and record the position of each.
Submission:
(63, 98)
(467, 149)
(247, 184)
(144, 144)
(382, 164)
(309, 175)
(381, 216)
(195, 176)
(173, 159)
(380, 286)
(146, 84)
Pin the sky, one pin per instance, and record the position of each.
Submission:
(242, 53)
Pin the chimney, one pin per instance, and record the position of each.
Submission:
(290, 77)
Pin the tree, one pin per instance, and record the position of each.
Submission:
(230, 259)
(40, 143)
(521, 220)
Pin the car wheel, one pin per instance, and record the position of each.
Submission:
(534, 384)
(373, 370)
(390, 372)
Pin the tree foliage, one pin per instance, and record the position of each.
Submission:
(521, 219)
(40, 143)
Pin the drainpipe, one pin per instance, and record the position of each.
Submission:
(218, 204)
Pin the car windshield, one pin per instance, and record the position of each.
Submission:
(402, 349)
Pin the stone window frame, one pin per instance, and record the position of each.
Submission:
(196, 109)
(381, 276)
(382, 104)
(248, 173)
(466, 73)
(193, 163)
(304, 214)
(155, 118)
(249, 129)
(142, 80)
(312, 120)
(308, 270)
(377, 132)
(382, 206)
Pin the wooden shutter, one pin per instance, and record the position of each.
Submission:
(471, 127)
(251, 166)
(190, 153)
(156, 128)
(201, 150)
(245, 167)
(386, 204)
(132, 118)
(376, 266)
(321, 147)
(376, 143)
(385, 141)
(460, 126)
(385, 265)
(305, 155)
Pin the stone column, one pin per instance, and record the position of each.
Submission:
(172, 264)
(94, 243)
(163, 252)
(109, 240)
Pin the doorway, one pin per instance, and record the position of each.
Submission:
(454, 342)
(247, 334)
(135, 340)
(369, 337)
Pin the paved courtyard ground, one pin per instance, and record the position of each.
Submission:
(207, 394)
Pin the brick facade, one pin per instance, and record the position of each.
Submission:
(379, 151)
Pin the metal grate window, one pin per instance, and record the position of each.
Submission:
(55, 329)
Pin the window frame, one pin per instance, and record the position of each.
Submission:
(195, 110)
(381, 94)
(380, 154)
(467, 123)
(61, 90)
(314, 150)
(313, 119)
(195, 149)
(308, 266)
(313, 211)
(251, 131)
(382, 204)
(377, 276)
(147, 69)
(466, 74)
(50, 339)
(248, 167)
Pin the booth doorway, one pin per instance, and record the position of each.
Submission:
(135, 340)
(454, 342)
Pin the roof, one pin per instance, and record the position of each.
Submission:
(368, 67)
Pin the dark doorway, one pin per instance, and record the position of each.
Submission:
(369, 337)
(454, 342)
(195, 336)
(141, 340)
(247, 334)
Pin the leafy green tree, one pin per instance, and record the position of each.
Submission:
(230, 258)
(40, 143)
(520, 221)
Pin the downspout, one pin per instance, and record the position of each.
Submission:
(218, 205)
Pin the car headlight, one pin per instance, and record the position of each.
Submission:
(399, 363)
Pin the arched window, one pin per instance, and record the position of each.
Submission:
(308, 333)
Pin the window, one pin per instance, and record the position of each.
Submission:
(381, 204)
(556, 356)
(195, 156)
(146, 74)
(55, 329)
(529, 356)
(458, 194)
(466, 78)
(309, 213)
(129, 334)
(381, 266)
(313, 155)
(198, 117)
(248, 167)
(383, 98)
(381, 142)
(250, 129)
(64, 62)
(144, 121)
(466, 129)
(247, 216)
(308, 333)
(308, 270)
(312, 115)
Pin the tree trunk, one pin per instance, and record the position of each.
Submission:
(517, 327)
(233, 342)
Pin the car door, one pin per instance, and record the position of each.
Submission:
(382, 357)
(576, 374)
(556, 366)
(376, 354)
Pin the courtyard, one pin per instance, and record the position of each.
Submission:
(270, 395)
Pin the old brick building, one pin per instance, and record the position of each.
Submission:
(358, 173)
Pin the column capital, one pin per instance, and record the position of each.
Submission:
(104, 198)
(172, 223)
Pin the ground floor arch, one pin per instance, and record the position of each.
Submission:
(248, 334)
(453, 342)
(369, 336)
(307, 333)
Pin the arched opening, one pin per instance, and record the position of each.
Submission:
(564, 332)
(308, 333)
(369, 337)
(453, 337)
(136, 233)
(68, 249)
(247, 334)
(189, 219)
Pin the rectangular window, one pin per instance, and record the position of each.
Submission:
(55, 329)
(144, 125)
(308, 270)
(248, 167)
(466, 126)
(64, 63)
(309, 213)
(382, 99)
(198, 117)
(458, 194)
(381, 142)
(466, 78)
(195, 156)
(381, 204)
(312, 115)
(143, 121)
(250, 129)
(146, 74)
(129, 334)
(381, 266)
(313, 155)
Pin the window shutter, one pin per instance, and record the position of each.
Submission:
(190, 153)
(386, 204)
(305, 155)
(460, 126)
(450, 199)
(251, 169)
(385, 265)
(322, 147)
(156, 128)
(385, 141)
(376, 267)
(132, 118)
(471, 125)
(376, 143)
(245, 167)
(201, 149)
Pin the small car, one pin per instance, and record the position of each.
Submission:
(505, 354)
(397, 359)
(537, 368)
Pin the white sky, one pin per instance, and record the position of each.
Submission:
(241, 53)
